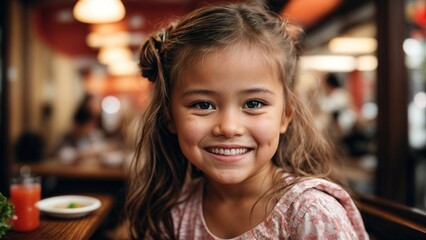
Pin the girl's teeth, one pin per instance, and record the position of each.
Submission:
(228, 152)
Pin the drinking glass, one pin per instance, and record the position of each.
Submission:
(25, 192)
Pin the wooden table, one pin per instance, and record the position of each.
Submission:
(72, 229)
(89, 168)
(85, 176)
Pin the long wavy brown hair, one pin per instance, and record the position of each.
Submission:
(160, 170)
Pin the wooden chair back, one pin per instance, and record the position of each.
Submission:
(384, 219)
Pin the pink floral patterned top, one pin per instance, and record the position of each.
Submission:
(312, 209)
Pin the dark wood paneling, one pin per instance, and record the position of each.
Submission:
(395, 176)
(4, 175)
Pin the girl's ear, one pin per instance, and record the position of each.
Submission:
(286, 119)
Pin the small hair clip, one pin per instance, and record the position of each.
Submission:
(163, 36)
(159, 39)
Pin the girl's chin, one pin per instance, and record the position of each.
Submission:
(228, 179)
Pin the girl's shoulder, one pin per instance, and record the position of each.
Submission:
(303, 188)
(316, 204)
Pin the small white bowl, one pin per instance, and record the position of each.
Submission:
(50, 207)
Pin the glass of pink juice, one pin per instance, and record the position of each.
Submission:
(25, 192)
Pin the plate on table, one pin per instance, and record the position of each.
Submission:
(68, 206)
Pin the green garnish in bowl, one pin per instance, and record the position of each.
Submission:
(72, 205)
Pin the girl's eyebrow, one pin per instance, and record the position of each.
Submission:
(197, 92)
(210, 92)
(259, 90)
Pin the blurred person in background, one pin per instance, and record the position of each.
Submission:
(85, 137)
(336, 103)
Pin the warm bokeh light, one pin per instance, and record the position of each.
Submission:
(99, 11)
(367, 63)
(328, 63)
(123, 68)
(353, 45)
(98, 39)
(108, 55)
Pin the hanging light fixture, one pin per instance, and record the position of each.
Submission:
(99, 11)
(112, 54)
(353, 45)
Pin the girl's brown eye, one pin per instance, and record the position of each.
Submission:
(253, 104)
(203, 105)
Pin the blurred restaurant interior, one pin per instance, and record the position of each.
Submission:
(52, 64)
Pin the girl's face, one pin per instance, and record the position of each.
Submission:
(228, 112)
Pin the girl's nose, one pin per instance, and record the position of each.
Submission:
(229, 124)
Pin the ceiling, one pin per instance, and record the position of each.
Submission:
(54, 23)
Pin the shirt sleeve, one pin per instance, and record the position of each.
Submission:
(321, 216)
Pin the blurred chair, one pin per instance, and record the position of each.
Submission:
(384, 219)
(29, 147)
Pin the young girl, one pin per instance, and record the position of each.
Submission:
(227, 149)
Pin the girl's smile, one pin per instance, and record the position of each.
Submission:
(228, 154)
(228, 113)
(227, 151)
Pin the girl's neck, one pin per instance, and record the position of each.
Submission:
(251, 189)
(231, 210)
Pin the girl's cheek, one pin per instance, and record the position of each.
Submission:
(266, 128)
(191, 130)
